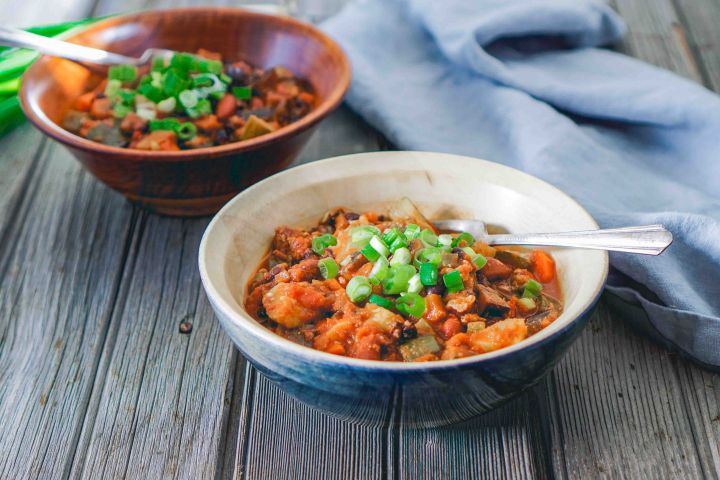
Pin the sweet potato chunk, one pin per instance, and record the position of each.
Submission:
(295, 304)
(499, 335)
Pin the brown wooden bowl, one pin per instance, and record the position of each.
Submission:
(190, 182)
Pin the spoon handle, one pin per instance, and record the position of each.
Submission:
(646, 239)
(14, 37)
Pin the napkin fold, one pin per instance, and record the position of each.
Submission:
(523, 83)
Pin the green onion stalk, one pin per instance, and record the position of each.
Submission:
(14, 62)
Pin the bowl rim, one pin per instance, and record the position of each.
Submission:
(38, 117)
(245, 322)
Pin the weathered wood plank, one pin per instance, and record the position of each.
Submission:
(505, 443)
(288, 440)
(657, 36)
(60, 270)
(618, 408)
(700, 19)
(162, 408)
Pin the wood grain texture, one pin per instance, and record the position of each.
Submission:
(701, 19)
(60, 271)
(162, 408)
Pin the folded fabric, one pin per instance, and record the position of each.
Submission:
(522, 82)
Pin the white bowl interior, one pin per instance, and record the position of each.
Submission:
(442, 185)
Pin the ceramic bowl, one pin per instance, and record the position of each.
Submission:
(190, 182)
(444, 186)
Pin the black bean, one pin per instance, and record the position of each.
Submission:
(221, 136)
(352, 216)
(408, 332)
(459, 253)
(262, 313)
(236, 73)
(436, 289)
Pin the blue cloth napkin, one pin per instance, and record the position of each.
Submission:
(522, 82)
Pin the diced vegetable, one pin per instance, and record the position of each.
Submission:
(453, 281)
(411, 304)
(414, 284)
(370, 253)
(254, 127)
(123, 73)
(242, 93)
(360, 236)
(444, 240)
(531, 289)
(419, 347)
(528, 304)
(319, 244)
(328, 268)
(411, 232)
(463, 237)
(358, 289)
(401, 256)
(475, 327)
(428, 274)
(379, 271)
(379, 246)
(543, 265)
(428, 238)
(516, 259)
(381, 301)
(398, 278)
(429, 255)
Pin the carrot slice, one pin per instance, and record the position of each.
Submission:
(543, 265)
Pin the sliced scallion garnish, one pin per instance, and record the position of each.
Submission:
(358, 289)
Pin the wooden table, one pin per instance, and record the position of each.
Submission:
(96, 381)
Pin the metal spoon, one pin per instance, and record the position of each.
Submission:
(646, 239)
(14, 37)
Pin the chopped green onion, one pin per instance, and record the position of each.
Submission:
(186, 131)
(158, 64)
(379, 271)
(428, 238)
(202, 108)
(399, 242)
(390, 235)
(123, 73)
(126, 96)
(167, 105)
(188, 98)
(428, 255)
(319, 244)
(204, 80)
(463, 237)
(346, 261)
(445, 240)
(328, 268)
(171, 124)
(358, 289)
(210, 66)
(184, 61)
(121, 111)
(453, 281)
(381, 301)
(527, 303)
(401, 256)
(225, 78)
(360, 236)
(411, 304)
(411, 232)
(112, 88)
(473, 327)
(397, 279)
(414, 284)
(480, 261)
(428, 274)
(417, 347)
(531, 289)
(370, 253)
(379, 246)
(147, 113)
(242, 93)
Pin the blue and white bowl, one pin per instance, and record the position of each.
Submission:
(444, 186)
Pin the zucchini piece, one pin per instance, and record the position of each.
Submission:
(418, 347)
(473, 327)
(515, 259)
